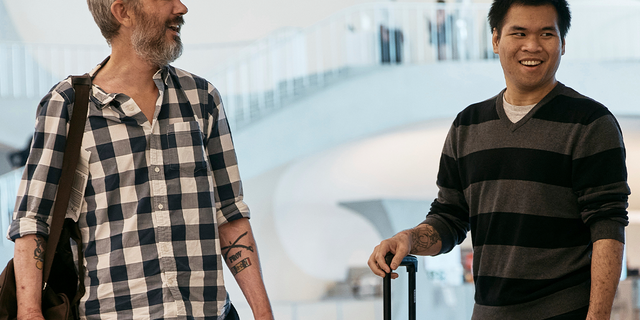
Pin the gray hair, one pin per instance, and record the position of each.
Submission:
(101, 11)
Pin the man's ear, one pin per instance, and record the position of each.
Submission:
(120, 11)
(563, 43)
(495, 39)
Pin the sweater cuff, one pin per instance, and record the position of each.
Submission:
(443, 231)
(607, 229)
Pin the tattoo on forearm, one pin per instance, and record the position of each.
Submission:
(424, 238)
(240, 266)
(38, 253)
(235, 245)
(235, 256)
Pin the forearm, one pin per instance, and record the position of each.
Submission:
(241, 255)
(28, 264)
(606, 265)
(421, 240)
(425, 240)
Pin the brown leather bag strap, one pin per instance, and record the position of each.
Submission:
(82, 86)
(76, 236)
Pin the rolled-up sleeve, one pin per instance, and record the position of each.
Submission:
(227, 186)
(39, 184)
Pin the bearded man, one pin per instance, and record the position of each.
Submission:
(163, 203)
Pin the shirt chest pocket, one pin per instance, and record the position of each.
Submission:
(185, 148)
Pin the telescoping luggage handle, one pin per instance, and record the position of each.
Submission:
(411, 263)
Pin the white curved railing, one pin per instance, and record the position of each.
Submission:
(280, 67)
(30, 70)
(267, 74)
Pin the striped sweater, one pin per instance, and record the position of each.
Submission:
(536, 194)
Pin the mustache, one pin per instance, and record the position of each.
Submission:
(179, 20)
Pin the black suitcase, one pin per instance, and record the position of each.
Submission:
(411, 263)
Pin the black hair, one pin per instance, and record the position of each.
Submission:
(499, 10)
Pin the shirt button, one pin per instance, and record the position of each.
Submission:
(156, 169)
(160, 206)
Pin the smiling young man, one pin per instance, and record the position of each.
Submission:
(538, 174)
(163, 203)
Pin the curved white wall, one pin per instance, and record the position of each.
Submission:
(316, 231)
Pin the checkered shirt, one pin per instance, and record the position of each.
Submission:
(155, 195)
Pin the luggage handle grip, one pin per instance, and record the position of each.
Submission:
(411, 263)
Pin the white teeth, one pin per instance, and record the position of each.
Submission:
(531, 63)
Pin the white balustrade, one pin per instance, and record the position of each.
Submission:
(264, 75)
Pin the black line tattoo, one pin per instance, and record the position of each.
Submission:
(240, 266)
(235, 256)
(38, 253)
(236, 245)
(425, 238)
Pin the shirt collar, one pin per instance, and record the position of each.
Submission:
(103, 99)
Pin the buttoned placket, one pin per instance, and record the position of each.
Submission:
(161, 215)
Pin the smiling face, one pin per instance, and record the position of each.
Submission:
(156, 36)
(529, 46)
